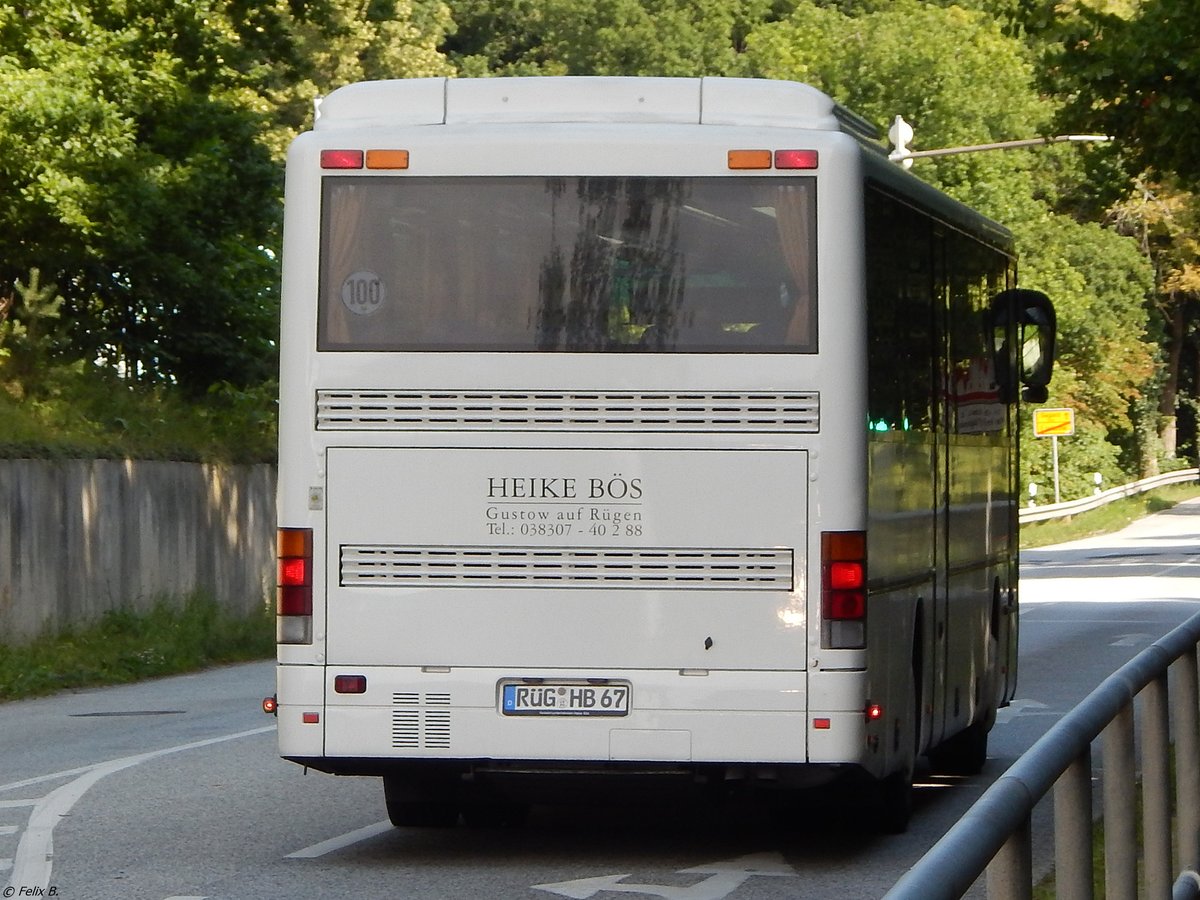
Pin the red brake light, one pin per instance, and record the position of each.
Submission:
(293, 572)
(845, 576)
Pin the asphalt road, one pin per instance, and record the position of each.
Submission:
(172, 788)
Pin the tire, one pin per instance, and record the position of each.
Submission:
(496, 814)
(423, 803)
(963, 754)
(893, 805)
(893, 794)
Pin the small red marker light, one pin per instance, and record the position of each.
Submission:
(874, 712)
(310, 718)
(822, 724)
(270, 706)
(341, 159)
(795, 159)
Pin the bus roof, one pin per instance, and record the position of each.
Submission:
(695, 101)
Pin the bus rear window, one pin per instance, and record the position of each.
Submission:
(586, 264)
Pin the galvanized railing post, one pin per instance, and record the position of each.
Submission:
(1010, 874)
(993, 835)
(1186, 703)
(1120, 813)
(1156, 788)
(1073, 829)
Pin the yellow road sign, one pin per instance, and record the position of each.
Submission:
(1053, 422)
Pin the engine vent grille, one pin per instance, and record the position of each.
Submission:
(768, 569)
(420, 721)
(760, 411)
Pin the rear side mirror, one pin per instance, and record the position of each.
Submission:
(1025, 329)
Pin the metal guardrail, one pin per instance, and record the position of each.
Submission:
(1083, 504)
(995, 835)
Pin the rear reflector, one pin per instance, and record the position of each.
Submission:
(350, 684)
(341, 159)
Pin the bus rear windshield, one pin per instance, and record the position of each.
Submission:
(582, 264)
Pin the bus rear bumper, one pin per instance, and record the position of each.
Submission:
(407, 714)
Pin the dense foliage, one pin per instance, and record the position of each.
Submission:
(141, 145)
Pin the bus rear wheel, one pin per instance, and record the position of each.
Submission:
(963, 754)
(421, 803)
(894, 802)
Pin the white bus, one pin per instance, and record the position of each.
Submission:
(639, 426)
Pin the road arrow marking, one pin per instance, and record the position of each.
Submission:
(723, 879)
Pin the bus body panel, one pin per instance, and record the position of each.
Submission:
(598, 558)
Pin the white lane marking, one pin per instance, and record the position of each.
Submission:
(1131, 640)
(8, 829)
(344, 840)
(1022, 708)
(35, 852)
(68, 773)
(723, 879)
(13, 804)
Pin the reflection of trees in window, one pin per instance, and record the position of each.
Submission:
(619, 282)
(900, 323)
(573, 264)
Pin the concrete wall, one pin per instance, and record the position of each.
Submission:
(81, 537)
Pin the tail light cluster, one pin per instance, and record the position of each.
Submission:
(844, 590)
(294, 610)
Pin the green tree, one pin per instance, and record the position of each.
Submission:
(140, 151)
(925, 61)
(1165, 221)
(27, 334)
(131, 174)
(1136, 77)
(602, 37)
(293, 51)
(1107, 368)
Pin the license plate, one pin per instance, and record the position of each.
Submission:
(564, 699)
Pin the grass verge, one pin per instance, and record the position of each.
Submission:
(1106, 519)
(125, 646)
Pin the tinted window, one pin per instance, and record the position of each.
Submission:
(568, 264)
